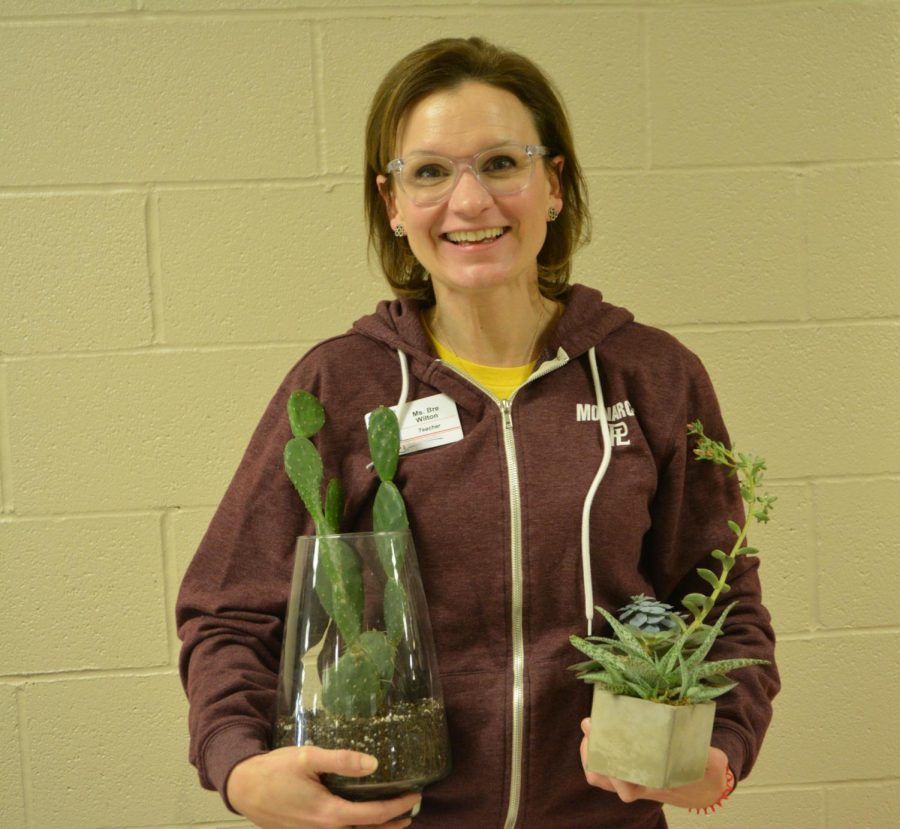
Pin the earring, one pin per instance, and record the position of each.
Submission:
(552, 214)
(399, 231)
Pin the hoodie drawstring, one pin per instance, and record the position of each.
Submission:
(404, 385)
(589, 499)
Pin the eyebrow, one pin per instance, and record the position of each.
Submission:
(477, 152)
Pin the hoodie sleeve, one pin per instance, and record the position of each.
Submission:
(693, 503)
(231, 604)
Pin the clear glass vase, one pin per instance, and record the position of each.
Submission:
(358, 665)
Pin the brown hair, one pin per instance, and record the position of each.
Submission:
(446, 64)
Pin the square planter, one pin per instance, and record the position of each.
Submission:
(649, 743)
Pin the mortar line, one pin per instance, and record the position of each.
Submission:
(170, 583)
(644, 24)
(820, 633)
(7, 505)
(24, 757)
(154, 268)
(23, 518)
(317, 67)
(50, 677)
(332, 179)
(379, 12)
(144, 351)
(815, 613)
(803, 221)
(800, 481)
(676, 328)
(815, 610)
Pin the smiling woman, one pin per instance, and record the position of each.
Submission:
(474, 206)
(526, 514)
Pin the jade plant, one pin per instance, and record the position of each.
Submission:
(356, 684)
(659, 655)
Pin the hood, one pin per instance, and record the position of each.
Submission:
(586, 321)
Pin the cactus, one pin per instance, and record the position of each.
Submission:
(356, 684)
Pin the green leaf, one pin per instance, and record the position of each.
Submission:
(622, 632)
(389, 511)
(304, 467)
(344, 599)
(599, 654)
(376, 645)
(735, 528)
(700, 693)
(334, 506)
(747, 551)
(694, 603)
(723, 666)
(708, 576)
(305, 413)
(352, 686)
(384, 442)
(719, 555)
(396, 610)
(709, 639)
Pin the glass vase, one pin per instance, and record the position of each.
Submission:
(358, 665)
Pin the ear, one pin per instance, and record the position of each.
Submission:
(554, 176)
(387, 194)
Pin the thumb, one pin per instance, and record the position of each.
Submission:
(330, 761)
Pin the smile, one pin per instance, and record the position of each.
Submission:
(474, 236)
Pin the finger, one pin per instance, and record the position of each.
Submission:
(373, 812)
(586, 726)
(628, 792)
(330, 761)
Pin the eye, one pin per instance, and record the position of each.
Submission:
(501, 164)
(430, 172)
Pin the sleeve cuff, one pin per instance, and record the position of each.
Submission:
(734, 746)
(226, 748)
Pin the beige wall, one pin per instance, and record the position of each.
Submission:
(180, 219)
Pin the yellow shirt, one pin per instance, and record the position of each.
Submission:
(501, 382)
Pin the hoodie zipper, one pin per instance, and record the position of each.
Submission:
(518, 636)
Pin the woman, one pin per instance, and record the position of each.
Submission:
(571, 484)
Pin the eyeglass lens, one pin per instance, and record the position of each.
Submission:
(429, 178)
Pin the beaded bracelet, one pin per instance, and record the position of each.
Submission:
(729, 788)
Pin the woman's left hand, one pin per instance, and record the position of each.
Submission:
(695, 796)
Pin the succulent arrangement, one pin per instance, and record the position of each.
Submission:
(659, 655)
(356, 684)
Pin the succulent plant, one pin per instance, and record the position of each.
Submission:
(356, 684)
(656, 654)
(647, 615)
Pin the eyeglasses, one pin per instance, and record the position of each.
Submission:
(429, 178)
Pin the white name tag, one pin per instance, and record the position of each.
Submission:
(431, 421)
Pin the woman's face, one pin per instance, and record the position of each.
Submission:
(460, 123)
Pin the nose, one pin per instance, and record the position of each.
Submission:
(469, 196)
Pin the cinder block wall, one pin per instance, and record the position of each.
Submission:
(180, 219)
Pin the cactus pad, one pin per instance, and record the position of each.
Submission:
(305, 413)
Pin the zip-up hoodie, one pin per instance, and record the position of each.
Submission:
(497, 522)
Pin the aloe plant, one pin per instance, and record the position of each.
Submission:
(356, 684)
(655, 653)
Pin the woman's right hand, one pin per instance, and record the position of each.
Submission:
(282, 790)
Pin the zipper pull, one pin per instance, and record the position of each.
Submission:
(506, 411)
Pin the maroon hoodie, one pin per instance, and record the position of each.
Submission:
(496, 519)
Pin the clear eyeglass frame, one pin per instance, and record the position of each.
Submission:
(423, 196)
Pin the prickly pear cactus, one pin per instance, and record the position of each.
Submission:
(356, 684)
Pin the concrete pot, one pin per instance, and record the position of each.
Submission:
(649, 743)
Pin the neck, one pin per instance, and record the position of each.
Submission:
(493, 330)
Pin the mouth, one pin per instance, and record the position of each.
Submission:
(474, 237)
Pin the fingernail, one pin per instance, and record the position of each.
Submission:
(368, 764)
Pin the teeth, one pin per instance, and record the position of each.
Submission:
(475, 235)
